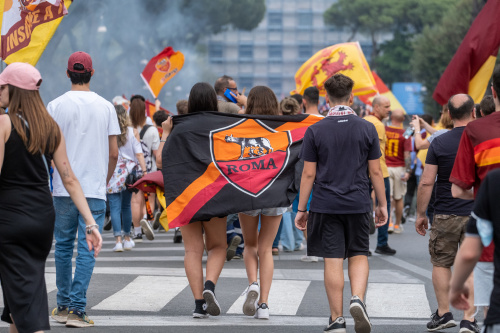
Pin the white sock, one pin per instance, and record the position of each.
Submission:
(137, 230)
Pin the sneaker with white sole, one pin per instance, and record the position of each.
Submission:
(335, 326)
(78, 319)
(137, 238)
(60, 314)
(358, 312)
(438, 322)
(128, 244)
(300, 248)
(262, 312)
(251, 298)
(118, 247)
(147, 229)
(309, 259)
(199, 311)
(232, 247)
(156, 221)
(211, 305)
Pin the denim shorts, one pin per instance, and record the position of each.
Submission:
(266, 211)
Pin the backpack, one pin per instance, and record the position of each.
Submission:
(148, 158)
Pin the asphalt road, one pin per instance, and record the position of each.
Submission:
(145, 290)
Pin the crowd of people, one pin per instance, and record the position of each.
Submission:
(72, 161)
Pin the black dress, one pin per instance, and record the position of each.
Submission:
(26, 229)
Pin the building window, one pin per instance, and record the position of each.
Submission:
(305, 51)
(305, 20)
(275, 53)
(215, 52)
(276, 84)
(245, 52)
(275, 21)
(245, 81)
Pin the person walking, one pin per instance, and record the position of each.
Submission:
(129, 155)
(90, 126)
(257, 254)
(338, 223)
(29, 140)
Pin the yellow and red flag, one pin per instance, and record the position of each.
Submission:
(28, 26)
(151, 109)
(161, 68)
(472, 65)
(347, 59)
(382, 91)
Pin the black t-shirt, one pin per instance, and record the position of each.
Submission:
(442, 152)
(487, 207)
(341, 146)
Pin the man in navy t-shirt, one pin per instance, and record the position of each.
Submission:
(341, 154)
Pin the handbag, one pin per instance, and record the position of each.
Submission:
(124, 171)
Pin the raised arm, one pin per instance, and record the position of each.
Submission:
(167, 128)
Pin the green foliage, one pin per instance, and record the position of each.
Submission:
(393, 65)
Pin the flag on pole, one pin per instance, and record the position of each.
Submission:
(347, 59)
(28, 26)
(215, 164)
(472, 65)
(161, 68)
(151, 109)
(382, 91)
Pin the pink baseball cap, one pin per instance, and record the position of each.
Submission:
(81, 58)
(21, 75)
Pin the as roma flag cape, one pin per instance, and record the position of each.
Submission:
(472, 65)
(215, 164)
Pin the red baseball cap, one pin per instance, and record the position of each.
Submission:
(21, 75)
(80, 58)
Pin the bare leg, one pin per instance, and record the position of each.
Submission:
(215, 236)
(194, 247)
(399, 210)
(358, 269)
(268, 230)
(137, 204)
(441, 281)
(249, 227)
(469, 314)
(334, 285)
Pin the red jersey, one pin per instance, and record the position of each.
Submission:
(396, 146)
(478, 153)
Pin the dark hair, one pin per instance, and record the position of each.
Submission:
(427, 118)
(311, 95)
(202, 98)
(478, 110)
(495, 80)
(137, 97)
(182, 106)
(297, 97)
(159, 117)
(137, 112)
(289, 106)
(487, 105)
(460, 107)
(222, 83)
(262, 100)
(339, 88)
(79, 78)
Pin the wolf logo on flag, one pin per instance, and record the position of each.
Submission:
(250, 155)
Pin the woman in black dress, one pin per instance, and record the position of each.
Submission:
(26, 209)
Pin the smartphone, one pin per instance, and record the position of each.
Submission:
(230, 97)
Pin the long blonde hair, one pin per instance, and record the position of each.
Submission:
(124, 122)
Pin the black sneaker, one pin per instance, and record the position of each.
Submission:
(337, 326)
(211, 304)
(156, 222)
(107, 223)
(177, 236)
(137, 238)
(386, 250)
(440, 322)
(469, 326)
(232, 247)
(358, 312)
(199, 311)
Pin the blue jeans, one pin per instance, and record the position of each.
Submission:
(120, 212)
(72, 293)
(291, 237)
(383, 231)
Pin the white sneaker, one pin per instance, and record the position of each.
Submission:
(262, 312)
(300, 248)
(309, 259)
(251, 299)
(148, 230)
(118, 247)
(128, 244)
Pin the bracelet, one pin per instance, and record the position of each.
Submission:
(302, 211)
(90, 227)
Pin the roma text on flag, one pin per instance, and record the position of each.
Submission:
(382, 91)
(161, 68)
(347, 59)
(215, 164)
(28, 26)
(472, 65)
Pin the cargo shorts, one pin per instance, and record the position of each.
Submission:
(447, 232)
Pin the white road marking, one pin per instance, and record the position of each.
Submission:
(391, 300)
(135, 296)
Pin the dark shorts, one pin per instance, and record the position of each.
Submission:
(338, 235)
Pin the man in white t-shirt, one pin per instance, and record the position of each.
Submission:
(90, 126)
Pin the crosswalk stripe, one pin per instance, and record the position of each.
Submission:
(159, 291)
(285, 297)
(50, 282)
(391, 300)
